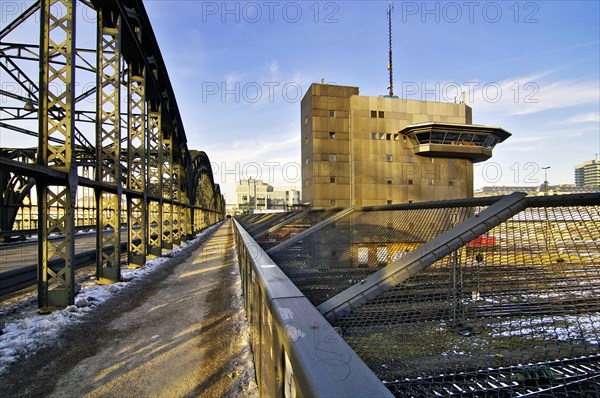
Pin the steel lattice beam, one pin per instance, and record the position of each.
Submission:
(137, 156)
(136, 159)
(56, 204)
(155, 183)
(108, 145)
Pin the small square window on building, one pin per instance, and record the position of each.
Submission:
(332, 180)
(373, 136)
(381, 114)
(450, 183)
(306, 160)
(382, 136)
(388, 158)
(430, 160)
(396, 137)
(331, 113)
(331, 135)
(373, 114)
(332, 157)
(430, 181)
(410, 182)
(389, 202)
(388, 180)
(388, 137)
(306, 140)
(332, 203)
(305, 119)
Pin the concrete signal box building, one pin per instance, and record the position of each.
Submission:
(365, 151)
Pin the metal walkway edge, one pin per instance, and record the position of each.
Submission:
(421, 258)
(296, 352)
(311, 230)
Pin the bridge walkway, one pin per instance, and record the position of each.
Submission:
(180, 333)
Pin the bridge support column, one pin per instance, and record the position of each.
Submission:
(188, 221)
(108, 147)
(56, 200)
(155, 184)
(136, 153)
(167, 190)
(177, 170)
(176, 225)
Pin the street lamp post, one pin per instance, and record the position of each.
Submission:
(545, 179)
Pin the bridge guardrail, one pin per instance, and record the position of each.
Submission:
(296, 351)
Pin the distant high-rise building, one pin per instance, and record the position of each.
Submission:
(364, 151)
(588, 174)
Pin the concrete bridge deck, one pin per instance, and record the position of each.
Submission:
(182, 332)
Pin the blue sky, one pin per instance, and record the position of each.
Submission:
(240, 69)
(529, 67)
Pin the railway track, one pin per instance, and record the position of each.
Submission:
(23, 277)
(532, 379)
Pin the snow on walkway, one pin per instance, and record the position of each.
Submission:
(25, 336)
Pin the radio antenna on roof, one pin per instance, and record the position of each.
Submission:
(389, 14)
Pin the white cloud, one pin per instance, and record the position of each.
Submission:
(592, 117)
(275, 161)
(524, 139)
(532, 94)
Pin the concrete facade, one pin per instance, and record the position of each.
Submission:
(360, 150)
(588, 174)
(258, 195)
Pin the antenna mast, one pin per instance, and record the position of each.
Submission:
(389, 13)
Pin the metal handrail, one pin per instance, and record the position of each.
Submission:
(296, 351)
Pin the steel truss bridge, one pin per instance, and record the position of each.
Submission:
(96, 141)
(474, 297)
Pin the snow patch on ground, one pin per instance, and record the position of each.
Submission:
(567, 328)
(25, 331)
(246, 381)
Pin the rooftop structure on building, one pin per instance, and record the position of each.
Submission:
(364, 150)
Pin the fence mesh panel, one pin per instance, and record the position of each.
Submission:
(294, 227)
(249, 221)
(515, 312)
(268, 221)
(512, 313)
(341, 254)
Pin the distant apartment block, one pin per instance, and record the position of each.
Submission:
(588, 174)
(364, 151)
(258, 195)
(538, 190)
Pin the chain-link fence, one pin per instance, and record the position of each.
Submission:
(513, 312)
(259, 223)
